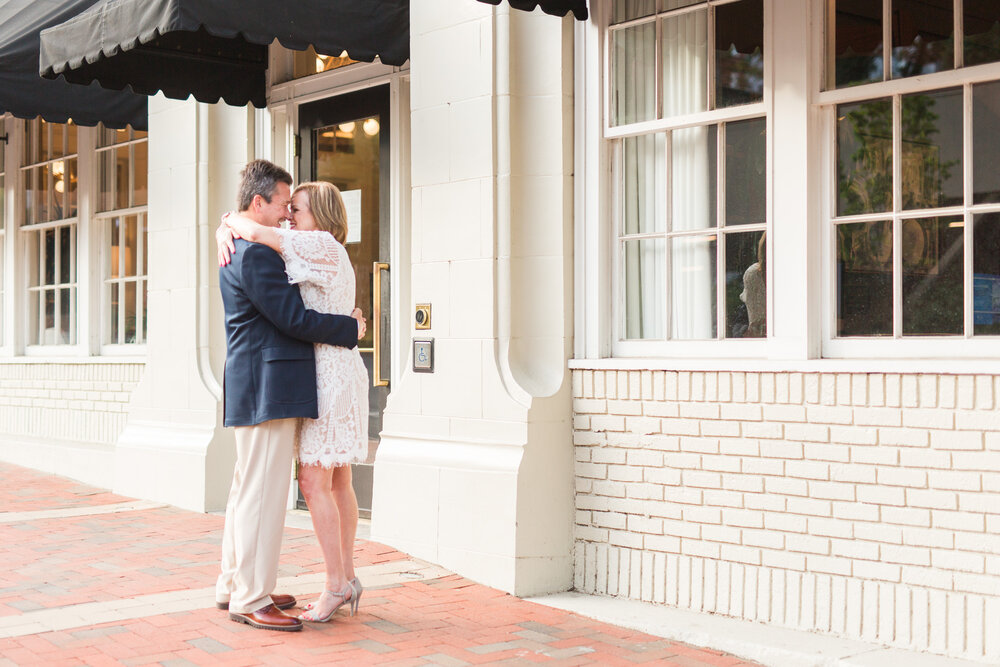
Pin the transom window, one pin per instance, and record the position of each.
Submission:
(49, 231)
(122, 165)
(686, 118)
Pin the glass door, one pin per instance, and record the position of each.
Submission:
(345, 140)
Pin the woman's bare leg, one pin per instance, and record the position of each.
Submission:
(347, 506)
(317, 485)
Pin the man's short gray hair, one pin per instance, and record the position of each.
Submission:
(260, 177)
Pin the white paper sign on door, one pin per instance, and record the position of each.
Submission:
(352, 202)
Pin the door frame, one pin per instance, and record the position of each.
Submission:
(272, 135)
(275, 130)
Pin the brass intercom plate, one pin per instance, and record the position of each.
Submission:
(422, 316)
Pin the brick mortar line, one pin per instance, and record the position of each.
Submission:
(95, 613)
(85, 510)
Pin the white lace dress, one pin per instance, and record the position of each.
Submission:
(321, 267)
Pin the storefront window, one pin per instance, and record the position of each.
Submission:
(905, 224)
(920, 38)
(691, 196)
(122, 159)
(49, 229)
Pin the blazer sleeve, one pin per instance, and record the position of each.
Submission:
(266, 285)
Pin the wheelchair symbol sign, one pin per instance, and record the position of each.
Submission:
(423, 355)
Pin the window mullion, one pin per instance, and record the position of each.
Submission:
(121, 280)
(886, 40)
(720, 221)
(959, 32)
(897, 224)
(968, 150)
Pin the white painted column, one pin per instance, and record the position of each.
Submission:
(174, 448)
(475, 466)
(796, 276)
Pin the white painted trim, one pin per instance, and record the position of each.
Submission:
(981, 366)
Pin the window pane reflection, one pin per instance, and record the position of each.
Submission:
(981, 24)
(693, 284)
(986, 275)
(694, 166)
(933, 264)
(923, 37)
(858, 42)
(864, 157)
(633, 71)
(932, 149)
(746, 176)
(746, 292)
(986, 142)
(864, 279)
(645, 278)
(739, 53)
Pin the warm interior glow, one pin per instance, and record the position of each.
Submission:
(370, 127)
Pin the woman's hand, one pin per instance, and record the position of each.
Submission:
(362, 327)
(224, 236)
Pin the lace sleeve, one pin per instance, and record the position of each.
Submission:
(309, 256)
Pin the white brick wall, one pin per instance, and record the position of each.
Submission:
(862, 505)
(78, 402)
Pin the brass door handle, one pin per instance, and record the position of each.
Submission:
(377, 379)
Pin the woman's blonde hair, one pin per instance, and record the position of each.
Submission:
(327, 207)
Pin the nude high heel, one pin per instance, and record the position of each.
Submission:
(355, 600)
(317, 619)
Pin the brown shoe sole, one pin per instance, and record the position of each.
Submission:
(240, 618)
(225, 605)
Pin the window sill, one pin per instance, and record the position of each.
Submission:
(905, 366)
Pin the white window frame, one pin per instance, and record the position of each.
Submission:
(101, 223)
(24, 231)
(966, 345)
(613, 299)
(92, 248)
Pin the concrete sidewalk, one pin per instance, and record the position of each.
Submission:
(91, 578)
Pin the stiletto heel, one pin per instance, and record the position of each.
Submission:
(355, 600)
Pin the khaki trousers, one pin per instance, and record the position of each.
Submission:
(255, 515)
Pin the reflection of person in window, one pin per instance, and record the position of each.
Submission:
(754, 293)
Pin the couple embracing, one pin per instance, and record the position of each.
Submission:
(295, 385)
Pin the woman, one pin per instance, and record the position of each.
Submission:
(315, 258)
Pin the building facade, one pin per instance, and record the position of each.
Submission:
(711, 288)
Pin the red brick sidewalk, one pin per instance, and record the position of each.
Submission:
(115, 558)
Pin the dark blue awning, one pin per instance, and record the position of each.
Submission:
(25, 94)
(215, 49)
(554, 7)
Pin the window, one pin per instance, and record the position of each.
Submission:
(920, 37)
(49, 231)
(122, 164)
(916, 202)
(689, 132)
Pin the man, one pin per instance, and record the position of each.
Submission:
(270, 380)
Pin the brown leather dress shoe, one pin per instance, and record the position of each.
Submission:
(268, 618)
(280, 600)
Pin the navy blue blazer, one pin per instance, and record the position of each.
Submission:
(270, 363)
